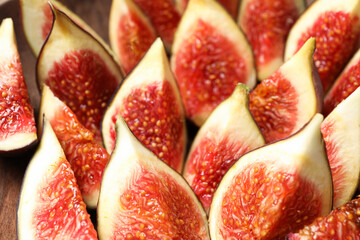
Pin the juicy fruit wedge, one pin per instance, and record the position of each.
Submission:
(50, 203)
(143, 198)
(210, 56)
(275, 189)
(266, 24)
(78, 70)
(335, 24)
(228, 133)
(341, 132)
(164, 17)
(150, 103)
(230, 5)
(341, 223)
(86, 156)
(131, 33)
(17, 124)
(37, 20)
(287, 100)
(345, 84)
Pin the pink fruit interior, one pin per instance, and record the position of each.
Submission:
(342, 223)
(155, 206)
(336, 36)
(263, 203)
(273, 104)
(155, 118)
(48, 20)
(83, 82)
(207, 68)
(87, 157)
(16, 112)
(209, 162)
(134, 39)
(163, 15)
(328, 128)
(60, 209)
(267, 25)
(346, 84)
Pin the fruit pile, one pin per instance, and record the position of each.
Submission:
(268, 88)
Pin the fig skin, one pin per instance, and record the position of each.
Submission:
(300, 159)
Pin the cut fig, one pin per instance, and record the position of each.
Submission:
(85, 155)
(50, 203)
(274, 190)
(131, 33)
(164, 17)
(287, 100)
(335, 25)
(231, 6)
(345, 84)
(210, 56)
(228, 133)
(143, 198)
(266, 24)
(150, 103)
(37, 20)
(79, 71)
(341, 132)
(17, 122)
(341, 223)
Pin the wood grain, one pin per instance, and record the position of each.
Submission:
(95, 13)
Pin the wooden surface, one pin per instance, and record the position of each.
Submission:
(95, 13)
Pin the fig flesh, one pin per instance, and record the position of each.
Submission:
(266, 24)
(335, 24)
(143, 198)
(150, 103)
(210, 57)
(164, 17)
(50, 204)
(37, 20)
(341, 223)
(345, 84)
(229, 132)
(85, 155)
(289, 98)
(17, 122)
(274, 190)
(79, 71)
(131, 33)
(341, 132)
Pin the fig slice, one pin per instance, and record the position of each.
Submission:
(86, 156)
(150, 103)
(274, 190)
(50, 204)
(229, 132)
(288, 99)
(231, 6)
(143, 198)
(17, 122)
(345, 84)
(210, 56)
(341, 132)
(130, 31)
(37, 20)
(266, 24)
(335, 25)
(164, 17)
(79, 71)
(341, 223)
